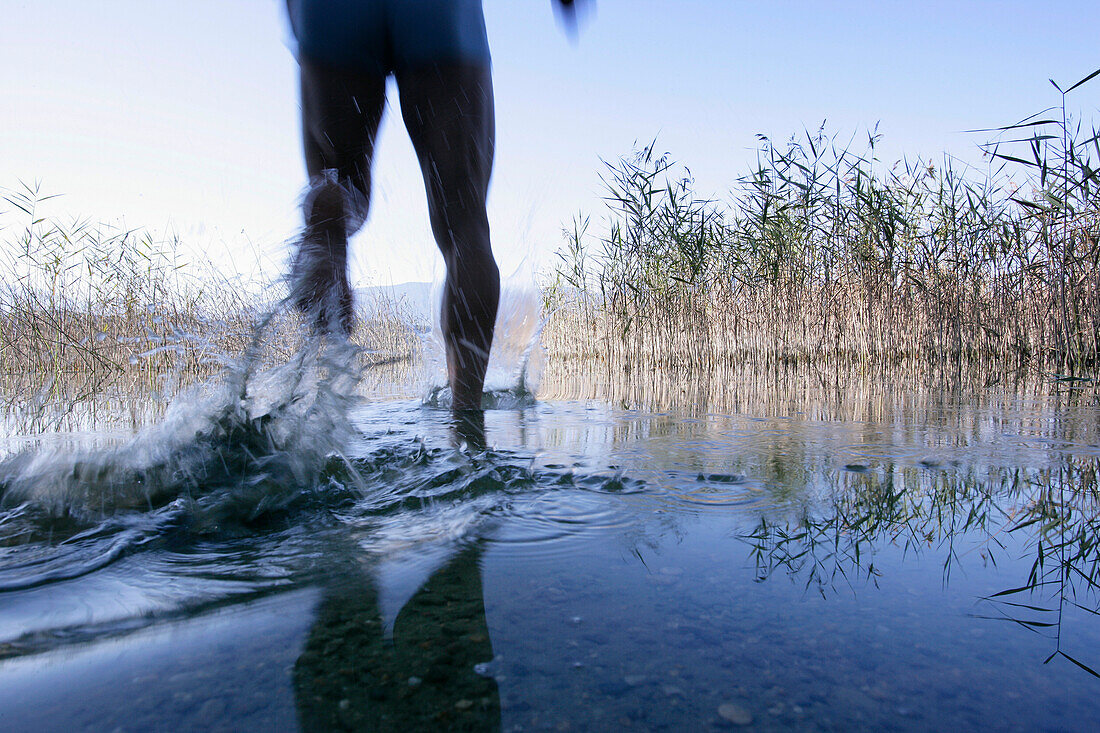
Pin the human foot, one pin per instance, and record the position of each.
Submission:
(319, 287)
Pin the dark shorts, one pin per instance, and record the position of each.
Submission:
(384, 36)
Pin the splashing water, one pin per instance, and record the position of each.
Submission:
(516, 362)
(231, 450)
(237, 452)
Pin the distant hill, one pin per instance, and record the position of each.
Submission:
(414, 300)
(415, 297)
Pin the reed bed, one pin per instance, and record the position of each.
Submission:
(825, 254)
(822, 255)
(86, 303)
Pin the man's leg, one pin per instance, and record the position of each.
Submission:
(341, 111)
(448, 111)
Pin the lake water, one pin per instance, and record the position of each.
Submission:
(750, 550)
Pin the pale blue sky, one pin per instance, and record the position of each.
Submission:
(183, 116)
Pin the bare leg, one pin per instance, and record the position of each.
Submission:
(448, 111)
(341, 111)
(468, 426)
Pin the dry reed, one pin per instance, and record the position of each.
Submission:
(89, 303)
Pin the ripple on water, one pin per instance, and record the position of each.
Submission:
(416, 495)
(32, 564)
(709, 496)
(173, 577)
(544, 525)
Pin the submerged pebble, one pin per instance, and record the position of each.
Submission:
(735, 714)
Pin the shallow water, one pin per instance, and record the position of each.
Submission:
(897, 557)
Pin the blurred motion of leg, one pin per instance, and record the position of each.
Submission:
(319, 277)
(341, 111)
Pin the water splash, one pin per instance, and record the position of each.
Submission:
(228, 451)
(515, 365)
(515, 397)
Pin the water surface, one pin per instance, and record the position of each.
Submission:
(788, 554)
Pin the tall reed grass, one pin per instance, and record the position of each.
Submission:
(825, 254)
(90, 303)
(822, 254)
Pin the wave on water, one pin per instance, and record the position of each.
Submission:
(228, 451)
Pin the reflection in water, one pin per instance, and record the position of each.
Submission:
(854, 392)
(1051, 515)
(350, 675)
(423, 676)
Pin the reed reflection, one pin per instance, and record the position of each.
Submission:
(850, 391)
(1050, 515)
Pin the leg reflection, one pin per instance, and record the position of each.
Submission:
(350, 678)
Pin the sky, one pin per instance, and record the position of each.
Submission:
(182, 118)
